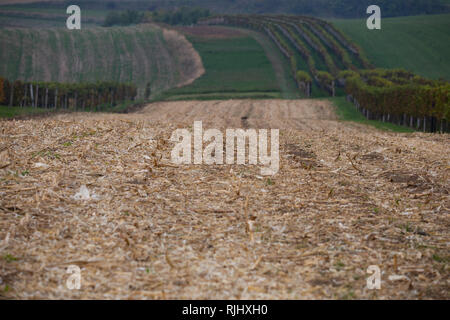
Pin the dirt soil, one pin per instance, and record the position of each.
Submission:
(99, 191)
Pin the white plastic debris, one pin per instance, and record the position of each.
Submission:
(83, 194)
(396, 277)
(40, 165)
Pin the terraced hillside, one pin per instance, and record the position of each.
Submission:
(312, 46)
(143, 55)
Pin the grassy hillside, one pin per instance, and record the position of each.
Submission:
(281, 67)
(310, 46)
(236, 66)
(115, 54)
(420, 43)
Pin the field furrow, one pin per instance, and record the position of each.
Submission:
(346, 197)
(143, 54)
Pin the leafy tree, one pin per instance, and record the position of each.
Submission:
(181, 16)
(124, 18)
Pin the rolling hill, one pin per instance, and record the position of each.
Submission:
(419, 43)
(237, 64)
(96, 54)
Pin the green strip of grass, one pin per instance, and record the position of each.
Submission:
(13, 112)
(121, 107)
(7, 112)
(346, 111)
(221, 96)
(280, 64)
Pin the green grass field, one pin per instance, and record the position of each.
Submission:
(420, 43)
(235, 67)
(280, 65)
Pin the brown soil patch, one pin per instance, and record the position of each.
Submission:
(300, 114)
(100, 192)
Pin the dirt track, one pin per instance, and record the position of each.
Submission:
(282, 114)
(346, 197)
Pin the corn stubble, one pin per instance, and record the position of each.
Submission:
(344, 198)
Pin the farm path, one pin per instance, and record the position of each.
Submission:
(281, 114)
(99, 191)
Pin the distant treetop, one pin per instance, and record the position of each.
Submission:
(321, 8)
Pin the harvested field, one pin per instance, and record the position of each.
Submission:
(98, 191)
(281, 114)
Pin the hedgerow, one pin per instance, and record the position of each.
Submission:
(66, 95)
(397, 95)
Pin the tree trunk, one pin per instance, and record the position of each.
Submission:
(11, 95)
(46, 98)
(424, 124)
(56, 98)
(31, 95)
(25, 98)
(37, 97)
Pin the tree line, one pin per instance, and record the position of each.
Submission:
(400, 97)
(180, 16)
(125, 18)
(77, 96)
(321, 8)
